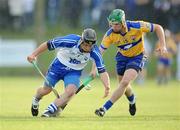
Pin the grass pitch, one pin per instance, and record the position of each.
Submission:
(158, 108)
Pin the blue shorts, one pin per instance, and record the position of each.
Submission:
(164, 61)
(57, 71)
(124, 63)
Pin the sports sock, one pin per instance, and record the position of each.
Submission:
(35, 101)
(107, 105)
(132, 99)
(52, 108)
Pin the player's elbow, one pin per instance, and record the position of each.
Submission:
(157, 27)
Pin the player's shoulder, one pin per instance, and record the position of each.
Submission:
(109, 32)
(95, 49)
(133, 24)
(136, 24)
(71, 37)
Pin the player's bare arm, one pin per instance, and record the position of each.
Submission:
(106, 82)
(160, 34)
(43, 47)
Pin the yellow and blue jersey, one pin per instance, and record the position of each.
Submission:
(131, 43)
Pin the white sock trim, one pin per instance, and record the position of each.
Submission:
(104, 109)
(35, 101)
(134, 101)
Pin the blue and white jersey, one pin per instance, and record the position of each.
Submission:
(70, 55)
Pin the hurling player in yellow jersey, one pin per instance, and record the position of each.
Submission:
(128, 37)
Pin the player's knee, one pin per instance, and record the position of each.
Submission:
(70, 90)
(124, 83)
(70, 94)
(44, 90)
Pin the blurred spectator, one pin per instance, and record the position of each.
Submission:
(106, 7)
(72, 11)
(86, 13)
(162, 11)
(175, 27)
(142, 10)
(165, 61)
(4, 14)
(29, 6)
(174, 16)
(130, 7)
(120, 4)
(178, 55)
(16, 9)
(52, 11)
(96, 11)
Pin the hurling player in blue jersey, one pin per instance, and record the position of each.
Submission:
(74, 52)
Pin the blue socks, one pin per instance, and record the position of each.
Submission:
(132, 99)
(107, 105)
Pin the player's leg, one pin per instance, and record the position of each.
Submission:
(42, 91)
(67, 95)
(132, 100)
(54, 109)
(71, 81)
(129, 92)
(125, 87)
(137, 64)
(53, 77)
(120, 68)
(132, 67)
(129, 76)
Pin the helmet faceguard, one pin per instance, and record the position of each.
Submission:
(89, 36)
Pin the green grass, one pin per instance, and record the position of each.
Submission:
(158, 108)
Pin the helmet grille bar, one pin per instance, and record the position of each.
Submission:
(89, 36)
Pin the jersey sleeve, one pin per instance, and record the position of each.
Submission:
(146, 26)
(106, 42)
(66, 41)
(97, 57)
